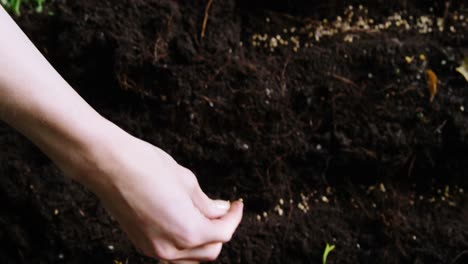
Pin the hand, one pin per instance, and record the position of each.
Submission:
(160, 204)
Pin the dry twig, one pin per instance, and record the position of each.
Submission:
(205, 19)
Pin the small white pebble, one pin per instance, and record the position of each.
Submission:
(245, 146)
(110, 247)
(443, 62)
(319, 147)
(211, 104)
(358, 246)
(414, 237)
(61, 256)
(325, 199)
(370, 75)
(265, 214)
(259, 218)
(279, 210)
(382, 187)
(56, 212)
(267, 20)
(281, 201)
(462, 108)
(301, 207)
(273, 43)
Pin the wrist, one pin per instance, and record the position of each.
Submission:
(88, 151)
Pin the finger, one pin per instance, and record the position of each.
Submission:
(208, 252)
(184, 262)
(179, 262)
(209, 208)
(222, 229)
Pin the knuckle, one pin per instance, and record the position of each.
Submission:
(214, 253)
(188, 237)
(227, 236)
(164, 252)
(189, 177)
(186, 171)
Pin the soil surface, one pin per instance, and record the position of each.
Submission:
(318, 115)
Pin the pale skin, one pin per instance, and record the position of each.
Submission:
(157, 202)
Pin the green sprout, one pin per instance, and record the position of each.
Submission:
(15, 5)
(328, 248)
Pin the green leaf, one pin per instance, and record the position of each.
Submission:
(463, 69)
(15, 6)
(328, 248)
(40, 6)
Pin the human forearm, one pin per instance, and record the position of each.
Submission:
(146, 190)
(36, 100)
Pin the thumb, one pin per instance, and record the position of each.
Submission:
(209, 208)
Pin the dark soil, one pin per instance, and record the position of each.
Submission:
(343, 130)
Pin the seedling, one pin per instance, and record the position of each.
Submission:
(328, 248)
(15, 5)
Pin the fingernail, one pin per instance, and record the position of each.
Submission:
(222, 205)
